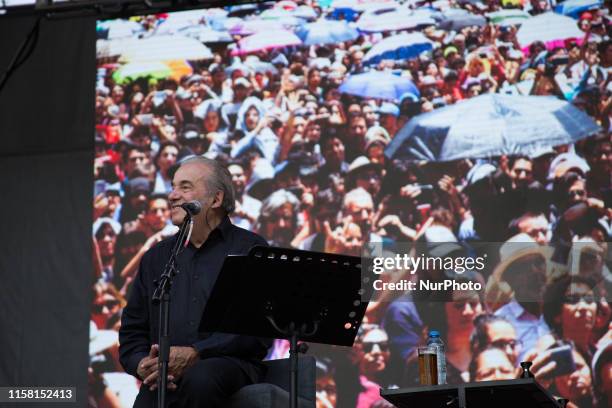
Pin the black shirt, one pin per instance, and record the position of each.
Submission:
(198, 271)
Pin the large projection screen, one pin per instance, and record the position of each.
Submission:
(479, 126)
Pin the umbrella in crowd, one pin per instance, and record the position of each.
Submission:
(141, 69)
(286, 5)
(162, 48)
(508, 17)
(326, 32)
(242, 10)
(205, 34)
(305, 12)
(112, 29)
(248, 27)
(262, 67)
(265, 41)
(359, 5)
(551, 28)
(456, 20)
(491, 125)
(179, 20)
(381, 85)
(398, 47)
(394, 21)
(285, 17)
(174, 69)
(573, 8)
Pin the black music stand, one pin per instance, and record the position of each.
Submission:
(524, 392)
(291, 294)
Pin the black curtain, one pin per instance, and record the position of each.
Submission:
(46, 161)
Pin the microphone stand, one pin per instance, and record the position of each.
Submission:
(161, 297)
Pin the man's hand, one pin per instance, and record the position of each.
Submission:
(148, 370)
(181, 358)
(542, 367)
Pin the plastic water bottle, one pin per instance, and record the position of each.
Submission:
(434, 340)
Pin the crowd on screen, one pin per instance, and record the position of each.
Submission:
(309, 169)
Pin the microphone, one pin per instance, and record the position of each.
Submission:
(192, 207)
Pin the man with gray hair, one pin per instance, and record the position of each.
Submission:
(278, 218)
(204, 368)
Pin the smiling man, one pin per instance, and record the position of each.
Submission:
(204, 368)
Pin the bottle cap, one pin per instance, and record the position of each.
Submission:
(434, 333)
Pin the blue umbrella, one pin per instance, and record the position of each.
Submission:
(326, 32)
(573, 8)
(380, 85)
(398, 47)
(491, 125)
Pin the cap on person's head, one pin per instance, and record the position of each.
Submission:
(280, 59)
(242, 82)
(361, 163)
(451, 49)
(194, 79)
(566, 162)
(388, 108)
(183, 95)
(409, 97)
(190, 133)
(479, 172)
(100, 222)
(138, 185)
(214, 68)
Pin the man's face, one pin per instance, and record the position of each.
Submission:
(188, 185)
(369, 180)
(333, 151)
(167, 158)
(135, 159)
(281, 226)
(536, 227)
(238, 178)
(502, 335)
(357, 130)
(375, 346)
(493, 364)
(106, 239)
(361, 211)
(370, 115)
(576, 385)
(326, 392)
(577, 192)
(157, 214)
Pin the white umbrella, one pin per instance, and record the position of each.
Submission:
(550, 28)
(205, 34)
(163, 48)
(491, 125)
(394, 21)
(176, 21)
